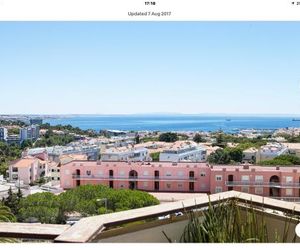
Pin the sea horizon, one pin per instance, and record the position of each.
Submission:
(226, 123)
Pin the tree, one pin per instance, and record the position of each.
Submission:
(42, 206)
(198, 138)
(168, 137)
(12, 201)
(235, 154)
(19, 194)
(282, 160)
(49, 208)
(219, 157)
(220, 139)
(26, 144)
(137, 139)
(155, 156)
(6, 215)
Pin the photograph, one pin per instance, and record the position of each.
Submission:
(149, 132)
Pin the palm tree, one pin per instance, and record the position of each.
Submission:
(6, 216)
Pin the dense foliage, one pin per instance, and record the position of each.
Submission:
(8, 153)
(6, 216)
(282, 160)
(155, 156)
(51, 139)
(168, 137)
(290, 138)
(222, 139)
(13, 200)
(12, 123)
(87, 200)
(198, 138)
(226, 156)
(70, 129)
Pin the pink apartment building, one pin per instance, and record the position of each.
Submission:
(183, 177)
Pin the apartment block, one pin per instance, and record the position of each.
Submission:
(125, 154)
(29, 133)
(184, 177)
(183, 152)
(27, 170)
(3, 134)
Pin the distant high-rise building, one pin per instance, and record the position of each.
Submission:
(29, 133)
(36, 121)
(3, 134)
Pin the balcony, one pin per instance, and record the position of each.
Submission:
(263, 184)
(122, 227)
(133, 178)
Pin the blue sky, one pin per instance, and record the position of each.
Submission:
(149, 67)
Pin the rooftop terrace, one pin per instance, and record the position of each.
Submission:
(115, 228)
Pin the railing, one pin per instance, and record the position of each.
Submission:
(90, 228)
(290, 199)
(263, 184)
(133, 178)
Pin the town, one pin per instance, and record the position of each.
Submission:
(248, 161)
(59, 174)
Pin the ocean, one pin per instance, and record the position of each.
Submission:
(229, 124)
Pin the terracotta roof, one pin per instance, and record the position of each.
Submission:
(23, 163)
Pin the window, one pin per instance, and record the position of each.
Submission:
(202, 174)
(52, 178)
(218, 189)
(180, 173)
(289, 179)
(259, 190)
(58, 178)
(122, 185)
(245, 189)
(52, 170)
(218, 177)
(180, 185)
(168, 185)
(168, 174)
(88, 172)
(58, 170)
(289, 192)
(15, 169)
(259, 178)
(245, 177)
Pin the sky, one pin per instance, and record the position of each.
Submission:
(149, 67)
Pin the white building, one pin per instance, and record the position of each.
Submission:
(54, 172)
(3, 134)
(125, 154)
(54, 153)
(29, 133)
(294, 148)
(249, 155)
(270, 151)
(183, 152)
(27, 170)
